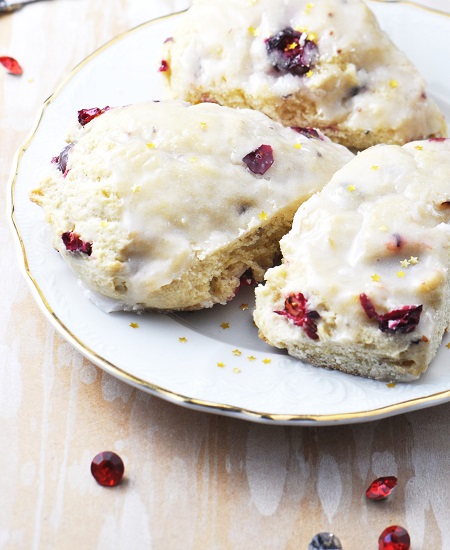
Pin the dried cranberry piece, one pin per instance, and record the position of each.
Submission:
(11, 65)
(308, 132)
(61, 159)
(164, 66)
(259, 160)
(404, 319)
(292, 52)
(296, 309)
(86, 115)
(73, 243)
(381, 488)
(394, 537)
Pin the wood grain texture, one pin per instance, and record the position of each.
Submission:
(193, 480)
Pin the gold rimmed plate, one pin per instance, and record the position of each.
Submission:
(210, 360)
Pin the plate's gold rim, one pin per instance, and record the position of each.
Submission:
(207, 406)
(413, 5)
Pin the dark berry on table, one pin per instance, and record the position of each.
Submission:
(86, 115)
(290, 51)
(296, 310)
(107, 468)
(259, 160)
(404, 319)
(74, 243)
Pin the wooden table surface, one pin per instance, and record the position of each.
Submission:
(193, 480)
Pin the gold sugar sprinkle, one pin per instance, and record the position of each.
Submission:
(351, 188)
(266, 361)
(400, 274)
(203, 125)
(448, 345)
(225, 325)
(309, 73)
(136, 188)
(391, 384)
(104, 224)
(405, 263)
(383, 228)
(193, 159)
(414, 260)
(253, 31)
(237, 352)
(236, 370)
(375, 167)
(182, 339)
(134, 325)
(151, 145)
(262, 215)
(376, 278)
(221, 365)
(393, 84)
(419, 147)
(298, 146)
(244, 307)
(251, 358)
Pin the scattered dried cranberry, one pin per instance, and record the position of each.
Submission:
(404, 319)
(381, 488)
(164, 66)
(394, 538)
(438, 139)
(296, 309)
(86, 115)
(259, 160)
(308, 132)
(61, 160)
(73, 243)
(290, 51)
(107, 468)
(11, 65)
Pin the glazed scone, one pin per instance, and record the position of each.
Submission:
(324, 64)
(164, 205)
(364, 283)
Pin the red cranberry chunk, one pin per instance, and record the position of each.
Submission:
(164, 66)
(73, 243)
(404, 319)
(290, 51)
(259, 160)
(308, 132)
(296, 310)
(86, 115)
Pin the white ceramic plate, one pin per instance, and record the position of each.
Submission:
(210, 360)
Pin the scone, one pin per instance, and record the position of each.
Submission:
(325, 64)
(164, 205)
(364, 283)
